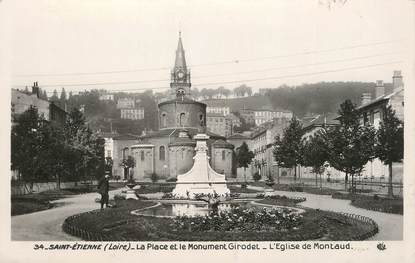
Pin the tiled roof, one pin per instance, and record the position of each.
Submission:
(319, 120)
(237, 136)
(175, 132)
(379, 99)
(222, 144)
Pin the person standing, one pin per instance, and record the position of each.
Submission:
(103, 188)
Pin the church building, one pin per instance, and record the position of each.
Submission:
(170, 150)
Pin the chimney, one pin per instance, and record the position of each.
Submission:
(397, 80)
(35, 89)
(366, 98)
(380, 88)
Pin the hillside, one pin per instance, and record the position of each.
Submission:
(316, 98)
(236, 104)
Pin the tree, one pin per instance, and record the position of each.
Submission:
(244, 157)
(390, 142)
(350, 145)
(288, 149)
(86, 149)
(26, 144)
(315, 154)
(63, 95)
(54, 97)
(44, 95)
(128, 163)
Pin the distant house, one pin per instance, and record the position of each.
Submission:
(109, 143)
(132, 114)
(265, 115)
(225, 110)
(126, 103)
(130, 109)
(262, 144)
(248, 115)
(21, 101)
(106, 97)
(219, 124)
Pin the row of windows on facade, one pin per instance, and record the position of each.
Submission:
(162, 154)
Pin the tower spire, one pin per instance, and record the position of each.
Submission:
(180, 61)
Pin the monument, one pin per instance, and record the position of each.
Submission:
(201, 178)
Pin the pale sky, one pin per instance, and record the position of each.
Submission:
(363, 40)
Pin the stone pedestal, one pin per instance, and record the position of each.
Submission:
(201, 178)
(130, 193)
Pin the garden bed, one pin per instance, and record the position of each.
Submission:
(119, 224)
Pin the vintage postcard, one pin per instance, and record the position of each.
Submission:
(237, 130)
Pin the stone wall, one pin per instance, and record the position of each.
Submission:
(144, 161)
(221, 161)
(161, 167)
(180, 159)
(182, 114)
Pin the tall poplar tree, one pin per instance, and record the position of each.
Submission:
(390, 142)
(244, 157)
(350, 144)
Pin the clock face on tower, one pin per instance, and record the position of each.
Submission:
(180, 74)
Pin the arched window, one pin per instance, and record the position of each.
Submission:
(163, 119)
(162, 153)
(182, 119)
(223, 155)
(142, 155)
(202, 119)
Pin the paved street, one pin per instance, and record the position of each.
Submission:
(47, 225)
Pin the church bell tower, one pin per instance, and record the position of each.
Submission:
(180, 74)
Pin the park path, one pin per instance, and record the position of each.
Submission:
(46, 225)
(390, 225)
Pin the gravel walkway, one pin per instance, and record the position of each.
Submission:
(46, 225)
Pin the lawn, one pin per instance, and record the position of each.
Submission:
(375, 203)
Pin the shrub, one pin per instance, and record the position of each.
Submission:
(296, 188)
(256, 176)
(261, 195)
(118, 197)
(171, 179)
